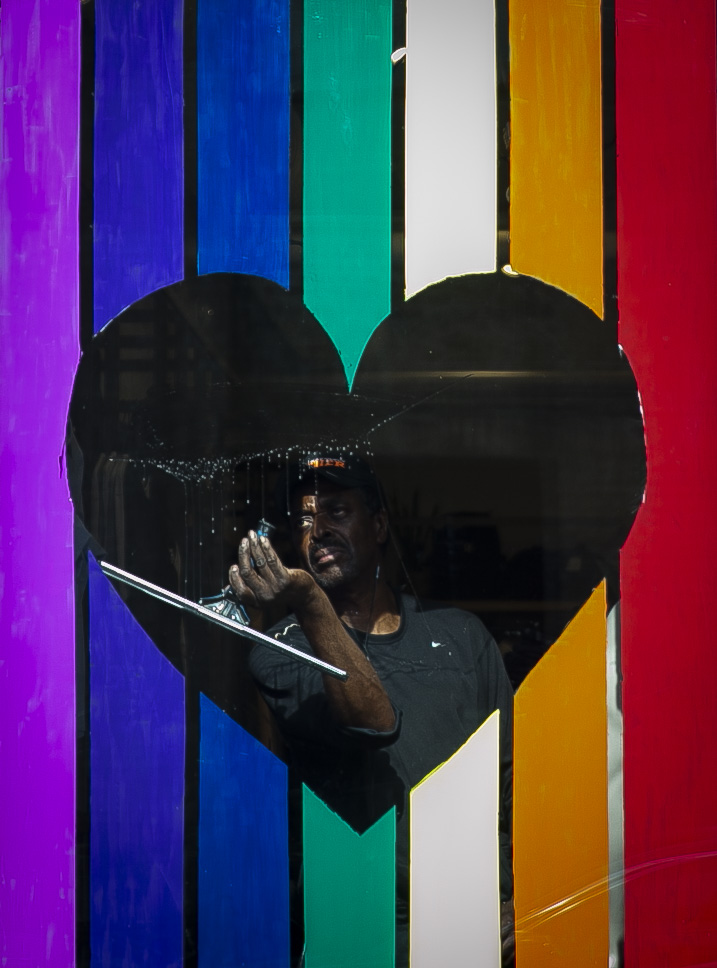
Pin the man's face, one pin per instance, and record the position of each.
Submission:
(338, 538)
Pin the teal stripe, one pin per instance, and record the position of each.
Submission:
(349, 890)
(347, 170)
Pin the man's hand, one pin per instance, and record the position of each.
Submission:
(260, 579)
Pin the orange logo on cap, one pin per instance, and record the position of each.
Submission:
(326, 462)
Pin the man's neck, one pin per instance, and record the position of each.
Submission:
(373, 609)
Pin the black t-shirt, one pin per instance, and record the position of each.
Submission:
(444, 675)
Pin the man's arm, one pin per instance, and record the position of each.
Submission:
(260, 579)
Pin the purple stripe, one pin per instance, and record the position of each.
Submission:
(39, 340)
(138, 153)
(136, 789)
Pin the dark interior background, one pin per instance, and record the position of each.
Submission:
(500, 415)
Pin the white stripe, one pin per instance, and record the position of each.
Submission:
(451, 214)
(454, 889)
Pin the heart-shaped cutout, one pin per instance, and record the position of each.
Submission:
(499, 412)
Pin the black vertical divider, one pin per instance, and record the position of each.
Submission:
(191, 766)
(82, 821)
(398, 159)
(502, 77)
(87, 112)
(82, 779)
(191, 814)
(82, 700)
(609, 217)
(190, 138)
(610, 305)
(296, 146)
(609, 162)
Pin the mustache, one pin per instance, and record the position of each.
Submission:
(336, 544)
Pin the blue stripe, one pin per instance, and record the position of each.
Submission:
(243, 137)
(136, 789)
(243, 890)
(138, 152)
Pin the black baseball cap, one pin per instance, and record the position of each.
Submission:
(344, 470)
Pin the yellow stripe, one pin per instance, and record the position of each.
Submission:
(556, 145)
(560, 801)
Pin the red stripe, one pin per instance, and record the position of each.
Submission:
(667, 290)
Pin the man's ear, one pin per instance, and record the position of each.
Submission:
(381, 525)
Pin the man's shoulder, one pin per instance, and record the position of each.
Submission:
(445, 623)
(457, 619)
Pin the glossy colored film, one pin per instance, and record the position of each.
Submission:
(243, 888)
(454, 895)
(451, 215)
(667, 247)
(347, 170)
(560, 825)
(556, 187)
(39, 198)
(136, 789)
(667, 298)
(243, 137)
(349, 882)
(138, 152)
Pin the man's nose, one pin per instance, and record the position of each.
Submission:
(319, 525)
